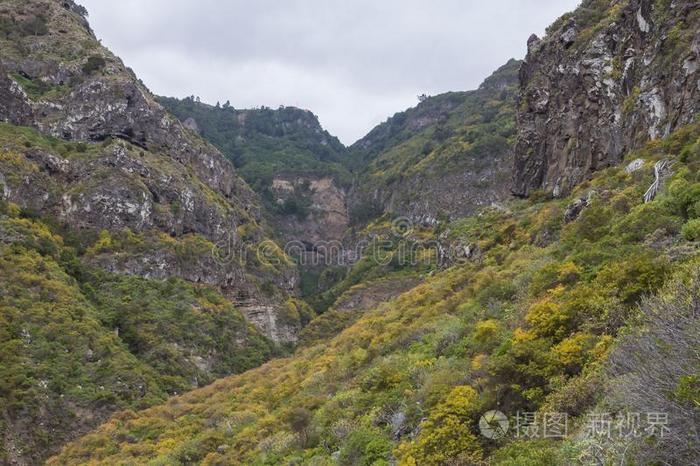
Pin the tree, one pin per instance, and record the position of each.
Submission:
(446, 435)
(655, 368)
(299, 420)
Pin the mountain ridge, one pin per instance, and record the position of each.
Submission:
(605, 80)
(152, 311)
(521, 306)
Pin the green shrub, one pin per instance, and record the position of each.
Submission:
(691, 230)
(683, 198)
(527, 453)
(365, 448)
(630, 279)
(645, 219)
(34, 26)
(688, 390)
(631, 101)
(33, 87)
(446, 436)
(93, 64)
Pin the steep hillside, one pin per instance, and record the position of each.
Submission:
(133, 253)
(263, 142)
(291, 161)
(78, 343)
(144, 291)
(529, 307)
(446, 157)
(132, 166)
(525, 323)
(605, 79)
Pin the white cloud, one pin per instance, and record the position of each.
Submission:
(352, 63)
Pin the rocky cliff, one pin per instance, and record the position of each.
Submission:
(296, 167)
(447, 157)
(131, 165)
(130, 250)
(262, 142)
(313, 209)
(136, 263)
(605, 79)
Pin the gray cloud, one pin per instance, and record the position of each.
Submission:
(353, 63)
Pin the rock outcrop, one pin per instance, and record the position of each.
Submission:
(447, 157)
(324, 217)
(137, 167)
(296, 167)
(604, 80)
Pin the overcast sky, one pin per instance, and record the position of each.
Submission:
(352, 62)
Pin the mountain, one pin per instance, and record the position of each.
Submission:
(264, 142)
(442, 158)
(136, 167)
(190, 284)
(298, 169)
(136, 262)
(554, 310)
(528, 322)
(606, 79)
(296, 166)
(458, 137)
(79, 343)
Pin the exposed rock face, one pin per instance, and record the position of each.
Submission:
(603, 81)
(191, 124)
(447, 157)
(315, 234)
(425, 198)
(266, 318)
(141, 168)
(327, 216)
(291, 161)
(114, 104)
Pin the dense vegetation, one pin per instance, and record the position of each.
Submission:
(264, 142)
(585, 305)
(77, 340)
(82, 333)
(526, 324)
(437, 118)
(446, 155)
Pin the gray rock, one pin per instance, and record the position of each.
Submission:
(635, 165)
(585, 104)
(574, 209)
(143, 170)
